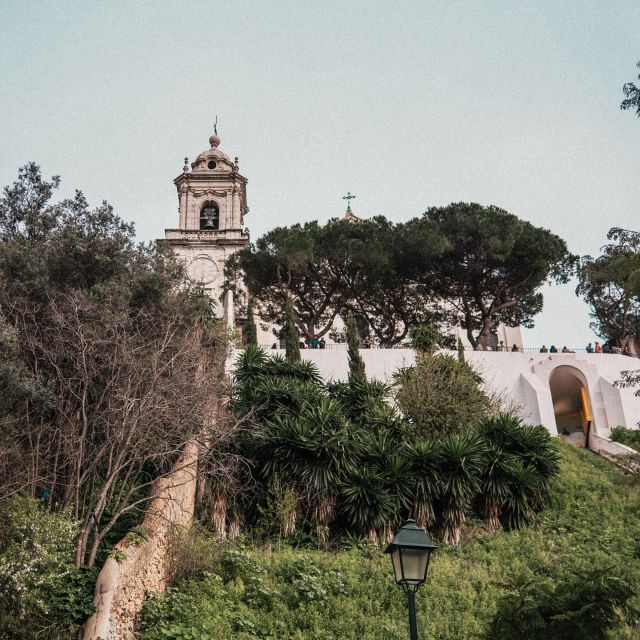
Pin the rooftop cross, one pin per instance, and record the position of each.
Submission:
(348, 198)
(215, 126)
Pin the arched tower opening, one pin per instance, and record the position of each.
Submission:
(571, 404)
(209, 216)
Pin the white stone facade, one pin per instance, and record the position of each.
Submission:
(533, 383)
(215, 188)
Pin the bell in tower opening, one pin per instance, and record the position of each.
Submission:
(209, 216)
(212, 199)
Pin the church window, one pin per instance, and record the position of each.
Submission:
(211, 164)
(210, 216)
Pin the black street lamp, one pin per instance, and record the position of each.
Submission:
(410, 552)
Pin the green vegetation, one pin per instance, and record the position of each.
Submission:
(109, 361)
(441, 394)
(610, 285)
(251, 331)
(630, 437)
(42, 594)
(631, 96)
(291, 335)
(487, 264)
(332, 458)
(426, 339)
(356, 363)
(575, 567)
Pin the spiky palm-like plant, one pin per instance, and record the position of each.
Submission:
(462, 461)
(532, 445)
(366, 502)
(362, 400)
(398, 477)
(425, 459)
(250, 364)
(520, 462)
(312, 450)
(301, 370)
(523, 485)
(496, 480)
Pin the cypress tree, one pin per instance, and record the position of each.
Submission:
(356, 363)
(291, 335)
(251, 334)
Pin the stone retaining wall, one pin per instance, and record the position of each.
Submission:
(123, 585)
(620, 454)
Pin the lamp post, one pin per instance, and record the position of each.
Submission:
(410, 552)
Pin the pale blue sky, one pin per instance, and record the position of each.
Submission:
(406, 104)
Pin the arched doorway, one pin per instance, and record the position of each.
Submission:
(571, 404)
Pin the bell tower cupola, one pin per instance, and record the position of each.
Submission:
(212, 204)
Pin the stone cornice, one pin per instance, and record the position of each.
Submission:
(203, 238)
(192, 178)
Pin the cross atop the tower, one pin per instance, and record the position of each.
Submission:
(215, 126)
(348, 198)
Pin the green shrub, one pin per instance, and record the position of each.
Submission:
(585, 605)
(630, 437)
(590, 525)
(425, 338)
(441, 395)
(42, 594)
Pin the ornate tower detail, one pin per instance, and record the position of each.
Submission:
(212, 203)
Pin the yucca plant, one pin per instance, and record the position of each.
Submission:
(398, 477)
(366, 502)
(535, 447)
(250, 365)
(425, 460)
(462, 463)
(303, 370)
(331, 456)
(312, 450)
(532, 445)
(520, 462)
(360, 398)
(517, 509)
(379, 451)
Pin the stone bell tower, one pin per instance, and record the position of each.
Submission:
(212, 204)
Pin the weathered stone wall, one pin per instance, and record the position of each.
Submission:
(122, 586)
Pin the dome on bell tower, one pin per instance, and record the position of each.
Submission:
(212, 195)
(213, 159)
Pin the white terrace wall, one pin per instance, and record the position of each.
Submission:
(522, 378)
(122, 586)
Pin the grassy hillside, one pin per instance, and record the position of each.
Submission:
(591, 522)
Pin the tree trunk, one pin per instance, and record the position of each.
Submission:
(289, 523)
(323, 513)
(219, 513)
(234, 528)
(485, 332)
(492, 516)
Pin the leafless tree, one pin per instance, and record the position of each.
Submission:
(130, 387)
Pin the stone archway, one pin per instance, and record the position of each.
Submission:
(571, 404)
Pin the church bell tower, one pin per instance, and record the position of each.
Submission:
(212, 200)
